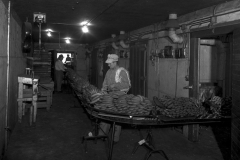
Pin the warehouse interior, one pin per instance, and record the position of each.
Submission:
(173, 51)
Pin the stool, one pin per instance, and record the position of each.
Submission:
(27, 92)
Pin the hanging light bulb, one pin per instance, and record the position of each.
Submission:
(67, 40)
(49, 32)
(85, 29)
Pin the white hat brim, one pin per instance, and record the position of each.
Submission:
(109, 60)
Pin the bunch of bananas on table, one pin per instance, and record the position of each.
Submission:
(91, 93)
(217, 107)
(116, 94)
(124, 104)
(226, 106)
(83, 88)
(179, 107)
(106, 103)
(116, 101)
(133, 105)
(121, 103)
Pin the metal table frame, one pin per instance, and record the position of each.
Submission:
(142, 120)
(138, 120)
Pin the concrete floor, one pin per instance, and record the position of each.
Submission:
(57, 135)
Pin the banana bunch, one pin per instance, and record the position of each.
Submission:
(105, 103)
(92, 89)
(226, 106)
(117, 94)
(91, 93)
(121, 103)
(133, 105)
(95, 98)
(180, 107)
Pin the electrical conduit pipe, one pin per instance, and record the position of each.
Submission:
(7, 90)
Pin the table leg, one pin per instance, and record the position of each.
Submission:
(31, 115)
(20, 111)
(94, 137)
(148, 143)
(111, 142)
(34, 103)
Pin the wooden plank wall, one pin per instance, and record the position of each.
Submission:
(235, 135)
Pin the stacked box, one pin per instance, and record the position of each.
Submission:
(40, 63)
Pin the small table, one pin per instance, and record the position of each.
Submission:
(27, 92)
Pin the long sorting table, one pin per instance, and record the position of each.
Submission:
(143, 120)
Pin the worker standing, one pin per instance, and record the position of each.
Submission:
(68, 59)
(116, 79)
(59, 69)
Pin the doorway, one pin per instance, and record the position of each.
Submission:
(211, 76)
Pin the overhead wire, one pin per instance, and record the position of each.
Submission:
(93, 17)
(102, 12)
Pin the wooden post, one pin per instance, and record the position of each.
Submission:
(192, 131)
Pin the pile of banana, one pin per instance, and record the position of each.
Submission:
(105, 103)
(125, 104)
(133, 105)
(90, 93)
(179, 107)
(117, 101)
(226, 106)
(94, 98)
(121, 102)
(83, 88)
(117, 94)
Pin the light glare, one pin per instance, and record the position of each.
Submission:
(85, 29)
(85, 23)
(67, 40)
(49, 34)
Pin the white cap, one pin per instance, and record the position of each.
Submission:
(112, 58)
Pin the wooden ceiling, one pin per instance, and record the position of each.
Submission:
(107, 16)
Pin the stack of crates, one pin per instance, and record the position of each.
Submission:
(41, 64)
